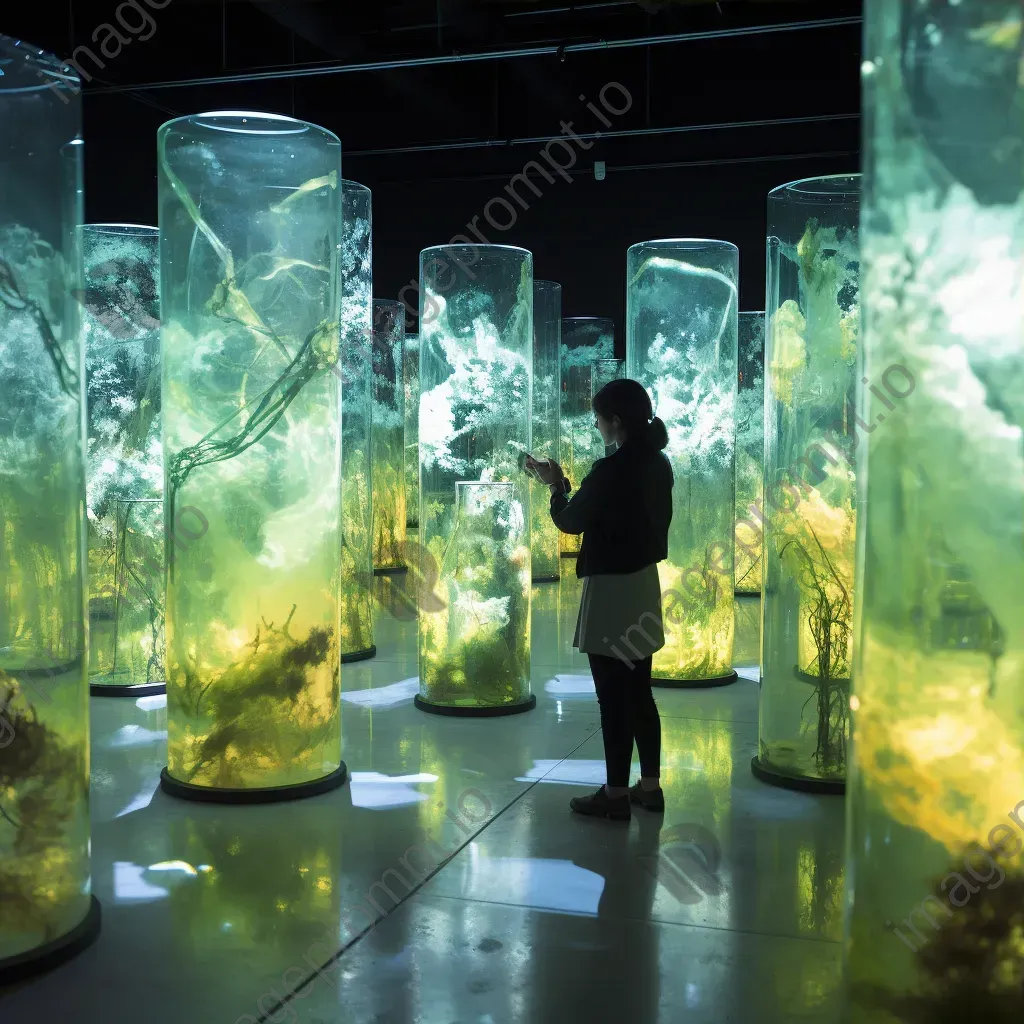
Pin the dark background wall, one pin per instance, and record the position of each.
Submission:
(726, 100)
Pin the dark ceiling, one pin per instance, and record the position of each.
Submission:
(438, 102)
(465, 73)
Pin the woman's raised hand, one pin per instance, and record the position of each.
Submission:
(548, 472)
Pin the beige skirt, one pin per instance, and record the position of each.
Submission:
(620, 615)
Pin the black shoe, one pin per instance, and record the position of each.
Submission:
(601, 805)
(649, 799)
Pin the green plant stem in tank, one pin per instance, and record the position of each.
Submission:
(356, 374)
(411, 379)
(809, 509)
(46, 912)
(750, 454)
(935, 889)
(681, 299)
(585, 340)
(250, 211)
(125, 478)
(547, 389)
(388, 432)
(476, 362)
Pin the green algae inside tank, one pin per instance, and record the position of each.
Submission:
(388, 434)
(681, 328)
(44, 715)
(476, 345)
(354, 371)
(411, 374)
(547, 387)
(809, 484)
(750, 454)
(936, 793)
(811, 380)
(585, 340)
(125, 475)
(250, 214)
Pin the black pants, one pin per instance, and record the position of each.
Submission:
(628, 714)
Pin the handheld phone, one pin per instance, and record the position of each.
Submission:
(523, 456)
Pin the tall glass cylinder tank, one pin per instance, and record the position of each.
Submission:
(935, 807)
(476, 369)
(750, 454)
(356, 374)
(585, 340)
(411, 378)
(125, 482)
(809, 510)
(46, 911)
(681, 340)
(602, 372)
(250, 213)
(388, 433)
(547, 391)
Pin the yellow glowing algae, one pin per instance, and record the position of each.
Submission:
(586, 342)
(809, 497)
(475, 418)
(681, 344)
(355, 372)
(545, 440)
(388, 433)
(750, 454)
(789, 350)
(253, 618)
(44, 714)
(411, 383)
(934, 927)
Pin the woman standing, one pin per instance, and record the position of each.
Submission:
(623, 509)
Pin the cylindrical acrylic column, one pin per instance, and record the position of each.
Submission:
(585, 340)
(388, 433)
(809, 483)
(750, 454)
(411, 377)
(476, 368)
(681, 345)
(935, 803)
(547, 390)
(125, 469)
(603, 372)
(250, 213)
(356, 373)
(46, 911)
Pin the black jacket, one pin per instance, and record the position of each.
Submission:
(623, 509)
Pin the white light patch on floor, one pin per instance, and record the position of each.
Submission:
(567, 686)
(580, 773)
(377, 792)
(131, 887)
(135, 736)
(389, 696)
(547, 884)
(154, 702)
(142, 799)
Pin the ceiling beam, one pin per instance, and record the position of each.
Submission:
(312, 71)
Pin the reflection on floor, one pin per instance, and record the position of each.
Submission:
(448, 882)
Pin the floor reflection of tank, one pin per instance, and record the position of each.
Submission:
(687, 863)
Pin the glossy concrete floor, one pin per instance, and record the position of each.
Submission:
(448, 883)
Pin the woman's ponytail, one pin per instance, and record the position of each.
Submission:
(657, 434)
